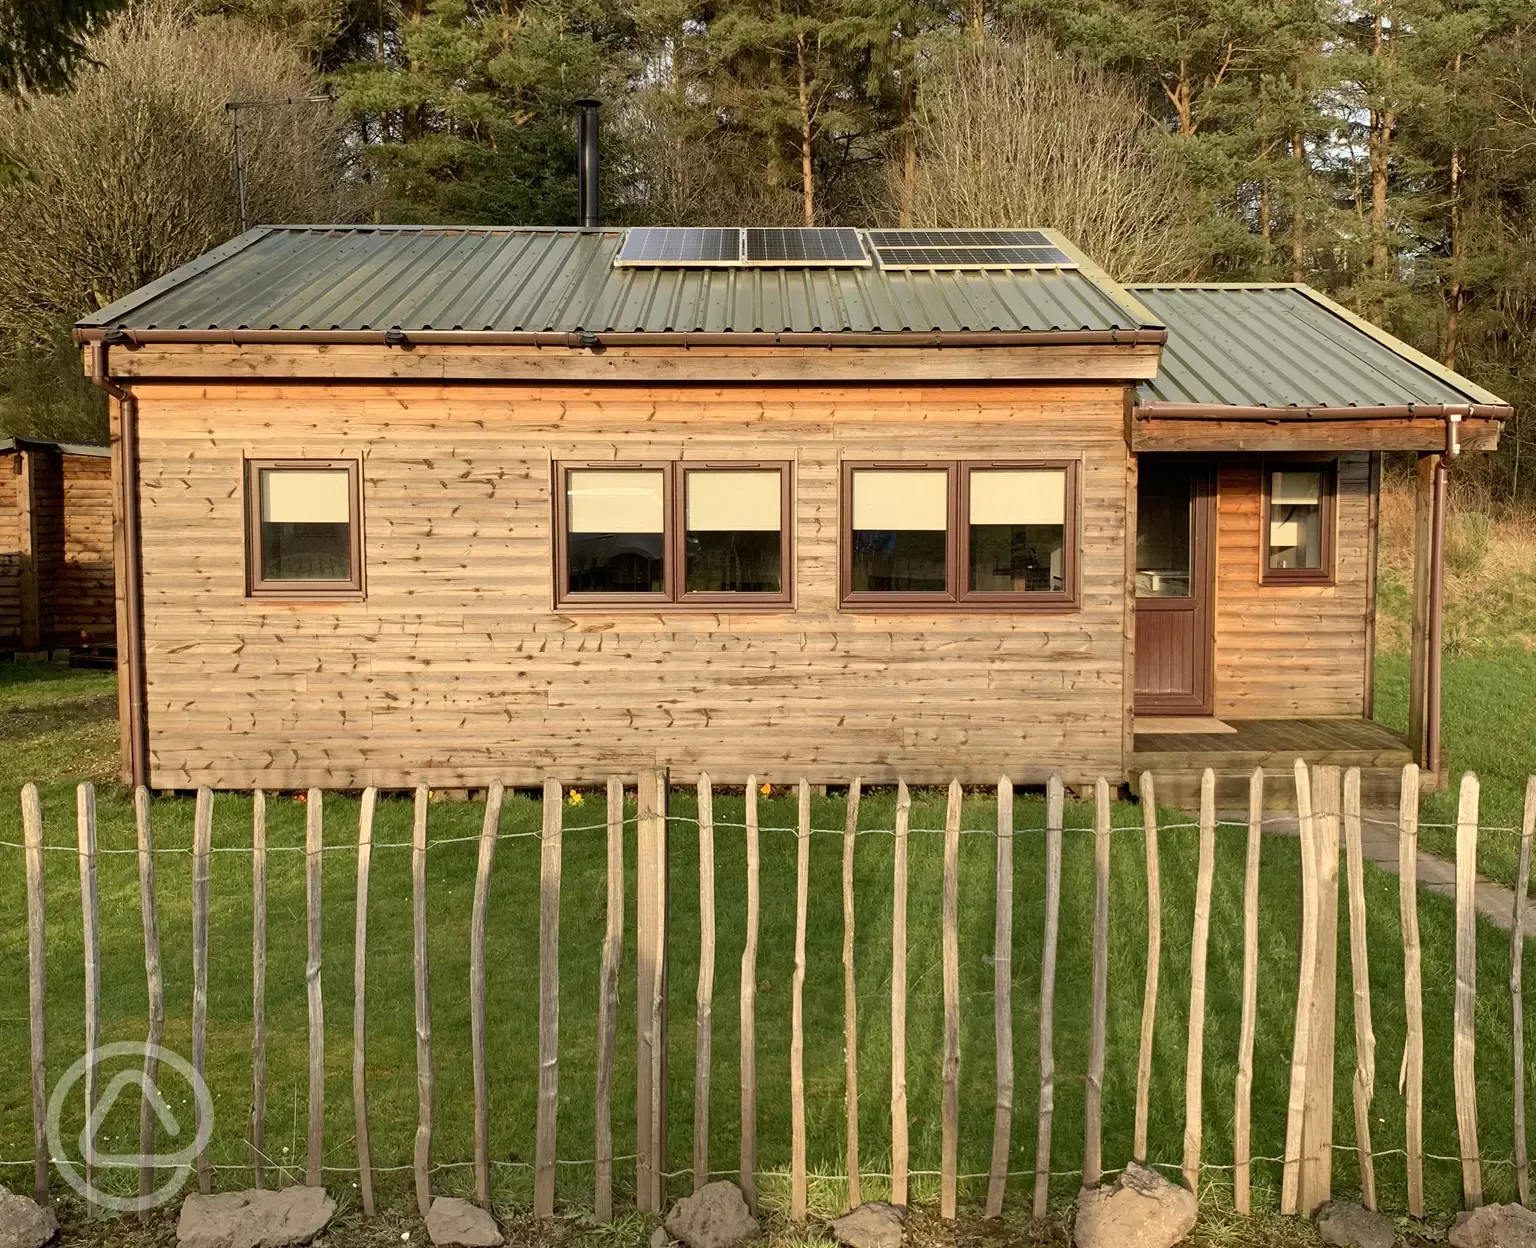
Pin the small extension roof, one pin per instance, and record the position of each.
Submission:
(1246, 348)
(8, 445)
(384, 283)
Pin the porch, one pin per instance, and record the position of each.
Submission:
(1232, 748)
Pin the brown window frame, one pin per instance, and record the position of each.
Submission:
(673, 595)
(256, 585)
(957, 597)
(1327, 572)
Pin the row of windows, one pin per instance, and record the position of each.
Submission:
(981, 535)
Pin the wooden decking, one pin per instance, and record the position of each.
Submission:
(1176, 760)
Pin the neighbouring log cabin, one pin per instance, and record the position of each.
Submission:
(455, 504)
(56, 584)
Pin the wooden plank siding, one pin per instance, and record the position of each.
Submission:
(10, 555)
(1289, 650)
(457, 658)
(77, 601)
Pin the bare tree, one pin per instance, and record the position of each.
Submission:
(132, 172)
(1014, 133)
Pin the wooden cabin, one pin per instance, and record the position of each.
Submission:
(56, 588)
(455, 504)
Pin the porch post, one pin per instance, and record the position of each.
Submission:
(1428, 591)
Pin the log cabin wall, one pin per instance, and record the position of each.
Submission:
(77, 598)
(10, 555)
(1284, 651)
(455, 669)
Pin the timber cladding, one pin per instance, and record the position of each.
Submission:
(10, 555)
(456, 669)
(1287, 650)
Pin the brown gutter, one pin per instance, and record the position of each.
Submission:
(599, 340)
(1282, 415)
(132, 572)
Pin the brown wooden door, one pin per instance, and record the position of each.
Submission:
(1175, 523)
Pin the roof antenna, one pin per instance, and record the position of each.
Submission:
(586, 162)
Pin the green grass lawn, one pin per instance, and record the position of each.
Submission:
(514, 977)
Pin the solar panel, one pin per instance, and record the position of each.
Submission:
(973, 257)
(967, 249)
(804, 246)
(671, 245)
(959, 238)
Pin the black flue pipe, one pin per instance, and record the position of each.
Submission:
(586, 163)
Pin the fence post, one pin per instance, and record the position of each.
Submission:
(1194, 1057)
(549, 1002)
(748, 1175)
(360, 1000)
(1316, 1187)
(1154, 960)
(202, 849)
(1465, 1043)
(314, 847)
(258, 1125)
(850, 1004)
(1301, 1046)
(426, 1082)
(1364, 1087)
(1093, 1092)
(37, 995)
(90, 933)
(949, 1163)
(478, 923)
(1055, 798)
(651, 993)
(899, 1143)
(1413, 1000)
(608, 1004)
(1002, 1001)
(705, 993)
(797, 1182)
(154, 982)
(1517, 989)
(1243, 1092)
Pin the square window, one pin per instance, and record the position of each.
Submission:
(615, 531)
(303, 528)
(734, 531)
(1018, 530)
(900, 533)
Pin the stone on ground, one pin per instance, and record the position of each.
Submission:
(461, 1222)
(255, 1219)
(660, 1238)
(1495, 1226)
(873, 1224)
(1140, 1209)
(23, 1222)
(1350, 1226)
(715, 1216)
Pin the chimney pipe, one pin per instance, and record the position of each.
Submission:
(586, 181)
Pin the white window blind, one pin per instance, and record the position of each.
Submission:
(1018, 496)
(733, 502)
(306, 496)
(600, 501)
(901, 499)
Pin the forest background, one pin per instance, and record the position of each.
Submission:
(1384, 152)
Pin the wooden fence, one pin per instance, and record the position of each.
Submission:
(1328, 809)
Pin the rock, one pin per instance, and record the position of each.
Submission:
(454, 1221)
(873, 1224)
(294, 1215)
(715, 1216)
(1141, 1209)
(23, 1222)
(660, 1238)
(1495, 1226)
(1350, 1226)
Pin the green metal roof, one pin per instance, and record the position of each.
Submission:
(521, 280)
(1287, 346)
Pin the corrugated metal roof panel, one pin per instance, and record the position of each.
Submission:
(1286, 346)
(563, 281)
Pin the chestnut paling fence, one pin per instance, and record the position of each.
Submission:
(1328, 819)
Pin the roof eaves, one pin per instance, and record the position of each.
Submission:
(104, 317)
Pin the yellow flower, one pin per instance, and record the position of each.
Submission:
(576, 798)
(766, 789)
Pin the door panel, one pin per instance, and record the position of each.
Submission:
(1174, 585)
